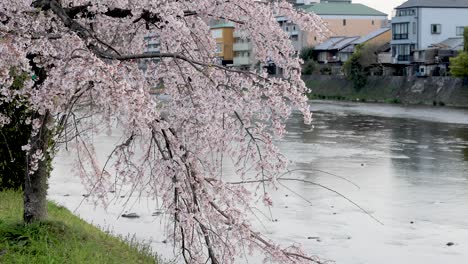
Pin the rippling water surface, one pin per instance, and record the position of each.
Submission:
(410, 165)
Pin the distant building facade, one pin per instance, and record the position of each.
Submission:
(418, 24)
(223, 33)
(244, 58)
(343, 18)
(378, 38)
(152, 46)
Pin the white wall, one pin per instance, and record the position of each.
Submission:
(216, 33)
(449, 18)
(307, 2)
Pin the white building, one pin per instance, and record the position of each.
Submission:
(243, 53)
(152, 46)
(419, 24)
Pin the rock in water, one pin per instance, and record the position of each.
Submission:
(131, 215)
(158, 213)
(449, 244)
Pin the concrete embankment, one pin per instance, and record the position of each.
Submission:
(448, 91)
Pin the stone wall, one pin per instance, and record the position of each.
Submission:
(448, 91)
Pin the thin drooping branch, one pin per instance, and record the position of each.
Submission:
(86, 35)
(261, 239)
(169, 148)
(316, 184)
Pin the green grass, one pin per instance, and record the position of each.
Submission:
(64, 238)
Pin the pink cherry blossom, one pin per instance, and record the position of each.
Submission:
(173, 148)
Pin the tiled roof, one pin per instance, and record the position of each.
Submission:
(342, 9)
(435, 3)
(336, 43)
(450, 43)
(371, 35)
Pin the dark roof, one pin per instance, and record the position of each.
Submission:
(435, 4)
(344, 9)
(336, 43)
(371, 35)
(450, 43)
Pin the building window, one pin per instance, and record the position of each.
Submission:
(415, 28)
(294, 38)
(219, 47)
(153, 46)
(405, 12)
(294, 28)
(216, 33)
(460, 31)
(344, 22)
(401, 52)
(436, 28)
(400, 31)
(373, 22)
(315, 38)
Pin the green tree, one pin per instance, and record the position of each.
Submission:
(13, 136)
(459, 64)
(354, 69)
(465, 39)
(309, 67)
(360, 64)
(307, 53)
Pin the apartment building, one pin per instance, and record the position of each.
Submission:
(243, 53)
(223, 33)
(343, 18)
(418, 24)
(153, 46)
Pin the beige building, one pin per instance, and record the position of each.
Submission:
(343, 18)
(223, 33)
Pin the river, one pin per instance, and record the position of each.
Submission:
(406, 166)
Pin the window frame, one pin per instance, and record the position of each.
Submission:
(400, 31)
(438, 29)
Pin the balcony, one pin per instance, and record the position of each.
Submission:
(425, 56)
(238, 34)
(246, 46)
(402, 59)
(293, 33)
(385, 58)
(241, 61)
(400, 36)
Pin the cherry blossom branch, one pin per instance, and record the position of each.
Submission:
(316, 184)
(261, 239)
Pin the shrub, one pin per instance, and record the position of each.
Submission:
(13, 136)
(309, 67)
(307, 53)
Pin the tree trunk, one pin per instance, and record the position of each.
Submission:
(35, 185)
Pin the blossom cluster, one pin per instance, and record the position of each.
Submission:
(173, 149)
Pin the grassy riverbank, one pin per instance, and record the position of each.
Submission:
(64, 238)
